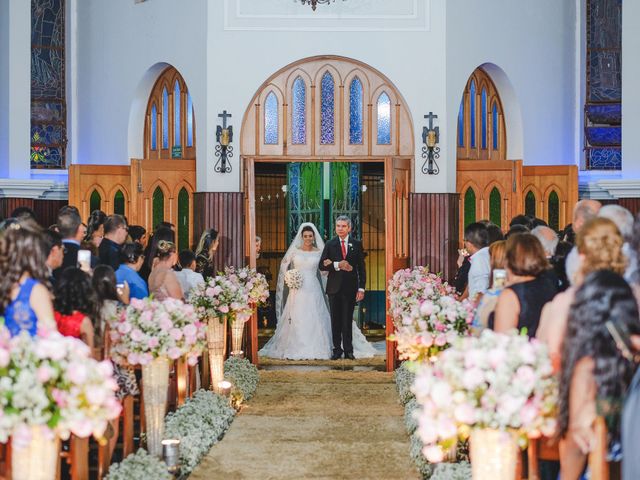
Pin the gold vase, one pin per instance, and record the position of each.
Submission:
(155, 383)
(216, 341)
(38, 460)
(494, 454)
(237, 332)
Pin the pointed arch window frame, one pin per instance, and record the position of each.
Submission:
(356, 112)
(299, 111)
(327, 109)
(271, 127)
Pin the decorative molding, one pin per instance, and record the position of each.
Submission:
(350, 15)
(52, 189)
(609, 188)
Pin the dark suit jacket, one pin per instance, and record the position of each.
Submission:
(70, 258)
(109, 253)
(342, 281)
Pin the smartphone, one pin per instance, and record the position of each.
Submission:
(499, 277)
(621, 335)
(84, 260)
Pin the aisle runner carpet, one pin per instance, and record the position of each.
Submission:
(318, 425)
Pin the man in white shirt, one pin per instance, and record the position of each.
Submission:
(476, 241)
(187, 277)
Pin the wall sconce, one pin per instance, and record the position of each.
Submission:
(430, 138)
(224, 150)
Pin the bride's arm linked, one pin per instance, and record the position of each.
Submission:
(325, 256)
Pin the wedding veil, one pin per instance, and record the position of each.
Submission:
(282, 290)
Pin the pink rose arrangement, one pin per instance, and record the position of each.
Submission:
(496, 381)
(411, 286)
(223, 295)
(255, 283)
(149, 329)
(52, 382)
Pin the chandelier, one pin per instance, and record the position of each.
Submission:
(314, 3)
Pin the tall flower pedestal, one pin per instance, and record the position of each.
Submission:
(38, 460)
(216, 341)
(155, 383)
(494, 455)
(237, 332)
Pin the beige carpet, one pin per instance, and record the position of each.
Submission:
(315, 424)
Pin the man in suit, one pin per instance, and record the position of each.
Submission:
(343, 258)
(72, 232)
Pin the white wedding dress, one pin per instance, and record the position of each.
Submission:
(303, 331)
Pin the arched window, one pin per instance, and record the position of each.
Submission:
(183, 219)
(469, 206)
(355, 111)
(384, 119)
(118, 203)
(157, 213)
(271, 119)
(298, 113)
(327, 114)
(481, 128)
(95, 201)
(553, 207)
(170, 122)
(495, 207)
(530, 204)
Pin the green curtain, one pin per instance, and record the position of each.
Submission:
(95, 201)
(305, 183)
(345, 194)
(118, 203)
(158, 207)
(530, 204)
(495, 207)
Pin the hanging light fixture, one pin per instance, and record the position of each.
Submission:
(314, 3)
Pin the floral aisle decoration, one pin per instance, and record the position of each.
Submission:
(409, 287)
(243, 376)
(496, 383)
(151, 333)
(51, 388)
(198, 424)
(139, 465)
(405, 376)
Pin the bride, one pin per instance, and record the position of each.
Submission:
(304, 325)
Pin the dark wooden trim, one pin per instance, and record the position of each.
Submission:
(46, 210)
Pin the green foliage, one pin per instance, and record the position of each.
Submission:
(139, 466)
(243, 375)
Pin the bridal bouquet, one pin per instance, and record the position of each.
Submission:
(223, 295)
(149, 329)
(293, 279)
(53, 382)
(255, 283)
(495, 381)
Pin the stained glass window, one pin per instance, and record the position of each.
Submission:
(305, 196)
(271, 119)
(157, 213)
(469, 206)
(495, 207)
(495, 128)
(154, 127)
(176, 114)
(95, 201)
(48, 84)
(298, 113)
(355, 112)
(118, 203)
(327, 116)
(483, 103)
(530, 204)
(189, 121)
(461, 125)
(345, 193)
(165, 119)
(384, 119)
(472, 110)
(554, 211)
(183, 219)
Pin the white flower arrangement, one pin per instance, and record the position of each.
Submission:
(223, 295)
(411, 286)
(243, 375)
(139, 465)
(293, 279)
(198, 424)
(255, 283)
(149, 329)
(496, 381)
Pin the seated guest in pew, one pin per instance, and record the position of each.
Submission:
(76, 305)
(132, 258)
(25, 301)
(599, 246)
(163, 282)
(188, 277)
(595, 375)
(530, 285)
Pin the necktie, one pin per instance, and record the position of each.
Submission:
(344, 250)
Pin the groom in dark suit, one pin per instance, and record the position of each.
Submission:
(343, 258)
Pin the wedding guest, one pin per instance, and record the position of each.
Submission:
(516, 229)
(168, 225)
(76, 305)
(206, 251)
(623, 219)
(494, 232)
(258, 246)
(595, 375)
(488, 302)
(138, 233)
(161, 234)
(188, 277)
(25, 301)
(522, 220)
(529, 285)
(599, 247)
(559, 261)
(95, 228)
(163, 282)
(548, 239)
(115, 234)
(583, 212)
(131, 257)
(476, 242)
(24, 213)
(72, 231)
(55, 253)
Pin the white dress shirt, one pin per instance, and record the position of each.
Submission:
(479, 272)
(188, 280)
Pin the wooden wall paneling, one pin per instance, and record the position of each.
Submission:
(9, 204)
(47, 211)
(542, 180)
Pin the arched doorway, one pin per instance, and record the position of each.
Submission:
(325, 136)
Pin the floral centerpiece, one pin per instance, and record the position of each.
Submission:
(255, 283)
(409, 287)
(494, 383)
(293, 279)
(222, 296)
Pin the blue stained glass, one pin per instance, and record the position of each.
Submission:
(271, 119)
(384, 119)
(189, 121)
(154, 127)
(484, 118)
(472, 110)
(495, 126)
(461, 125)
(355, 112)
(165, 118)
(327, 135)
(176, 114)
(298, 113)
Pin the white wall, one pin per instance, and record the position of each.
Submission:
(630, 90)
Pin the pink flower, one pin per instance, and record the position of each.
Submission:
(105, 368)
(427, 431)
(441, 340)
(44, 373)
(133, 358)
(174, 353)
(426, 308)
(77, 373)
(529, 413)
(59, 397)
(175, 333)
(95, 395)
(145, 358)
(433, 453)
(497, 357)
(124, 328)
(137, 335)
(153, 342)
(217, 290)
(224, 309)
(441, 394)
(192, 360)
(190, 330)
(446, 427)
(465, 413)
(165, 322)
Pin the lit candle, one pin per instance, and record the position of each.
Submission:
(171, 454)
(239, 354)
(225, 388)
